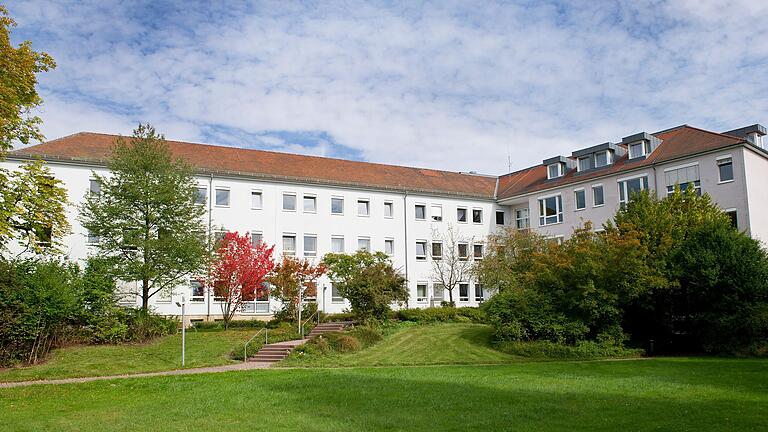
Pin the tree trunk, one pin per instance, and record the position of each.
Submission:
(145, 295)
(450, 296)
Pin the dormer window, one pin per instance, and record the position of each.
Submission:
(602, 159)
(585, 163)
(640, 145)
(554, 170)
(639, 149)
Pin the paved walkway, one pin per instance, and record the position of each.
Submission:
(191, 371)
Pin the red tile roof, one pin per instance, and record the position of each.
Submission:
(87, 146)
(676, 142)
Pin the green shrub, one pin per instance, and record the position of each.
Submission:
(583, 350)
(234, 324)
(347, 344)
(441, 314)
(343, 316)
(366, 335)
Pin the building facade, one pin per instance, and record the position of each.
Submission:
(309, 206)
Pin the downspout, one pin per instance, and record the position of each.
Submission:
(405, 231)
(210, 226)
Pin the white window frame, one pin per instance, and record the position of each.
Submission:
(595, 186)
(425, 298)
(434, 209)
(503, 217)
(675, 168)
(733, 171)
(391, 206)
(341, 198)
(309, 254)
(527, 218)
(313, 197)
(622, 182)
(216, 199)
(92, 180)
(338, 237)
(481, 298)
(608, 158)
(367, 203)
(474, 251)
(421, 256)
(474, 209)
(415, 213)
(576, 199)
(390, 241)
(558, 209)
(466, 214)
(432, 250)
(288, 251)
(254, 234)
(728, 211)
(464, 257)
(589, 159)
(295, 201)
(336, 298)
(466, 297)
(559, 170)
(261, 199)
(199, 188)
(366, 239)
(192, 297)
(644, 145)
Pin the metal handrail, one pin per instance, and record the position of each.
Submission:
(317, 312)
(245, 347)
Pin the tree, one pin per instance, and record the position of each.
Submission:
(453, 266)
(238, 272)
(368, 281)
(292, 281)
(509, 256)
(33, 209)
(145, 216)
(18, 95)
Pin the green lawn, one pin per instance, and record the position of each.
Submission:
(203, 349)
(634, 395)
(418, 345)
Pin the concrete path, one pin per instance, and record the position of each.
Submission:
(191, 371)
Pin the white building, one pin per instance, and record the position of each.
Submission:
(309, 206)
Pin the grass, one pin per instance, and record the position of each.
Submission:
(636, 395)
(203, 349)
(418, 345)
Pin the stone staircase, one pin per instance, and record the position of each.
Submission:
(275, 352)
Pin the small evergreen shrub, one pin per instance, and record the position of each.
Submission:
(582, 350)
(441, 314)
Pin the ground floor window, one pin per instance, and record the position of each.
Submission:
(463, 292)
(521, 219)
(734, 218)
(479, 293)
(421, 292)
(335, 296)
(198, 291)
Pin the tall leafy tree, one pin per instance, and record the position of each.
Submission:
(238, 272)
(19, 67)
(145, 215)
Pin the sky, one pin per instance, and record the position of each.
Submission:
(490, 87)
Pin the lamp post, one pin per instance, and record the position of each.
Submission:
(183, 329)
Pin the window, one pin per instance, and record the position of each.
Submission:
(256, 238)
(421, 212)
(550, 210)
(310, 245)
(389, 209)
(521, 219)
(581, 199)
(499, 217)
(309, 203)
(337, 206)
(685, 177)
(438, 291)
(92, 238)
(198, 292)
(421, 250)
(94, 187)
(597, 196)
(639, 149)
(289, 202)
(437, 250)
(389, 246)
(289, 244)
(555, 239)
(585, 163)
(477, 216)
(463, 251)
(335, 296)
(421, 292)
(463, 292)
(554, 170)
(632, 186)
(337, 244)
(200, 199)
(256, 200)
(461, 214)
(364, 244)
(222, 197)
(363, 207)
(734, 218)
(479, 294)
(725, 169)
(477, 251)
(437, 213)
(602, 159)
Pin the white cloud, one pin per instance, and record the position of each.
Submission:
(448, 85)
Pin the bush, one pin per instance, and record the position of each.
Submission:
(366, 335)
(583, 350)
(235, 324)
(343, 316)
(441, 314)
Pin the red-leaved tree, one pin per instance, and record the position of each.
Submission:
(293, 280)
(238, 272)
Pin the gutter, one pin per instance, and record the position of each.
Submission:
(405, 229)
(210, 226)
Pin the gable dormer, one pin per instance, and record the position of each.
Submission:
(557, 166)
(640, 145)
(599, 156)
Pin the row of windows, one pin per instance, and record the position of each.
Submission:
(309, 243)
(438, 292)
(436, 250)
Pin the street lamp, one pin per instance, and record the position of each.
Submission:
(183, 329)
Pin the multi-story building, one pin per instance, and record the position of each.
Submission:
(308, 206)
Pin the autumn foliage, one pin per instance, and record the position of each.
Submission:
(293, 280)
(239, 272)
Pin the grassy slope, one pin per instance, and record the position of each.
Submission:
(419, 345)
(203, 349)
(637, 395)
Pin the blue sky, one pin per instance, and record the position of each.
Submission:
(463, 86)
